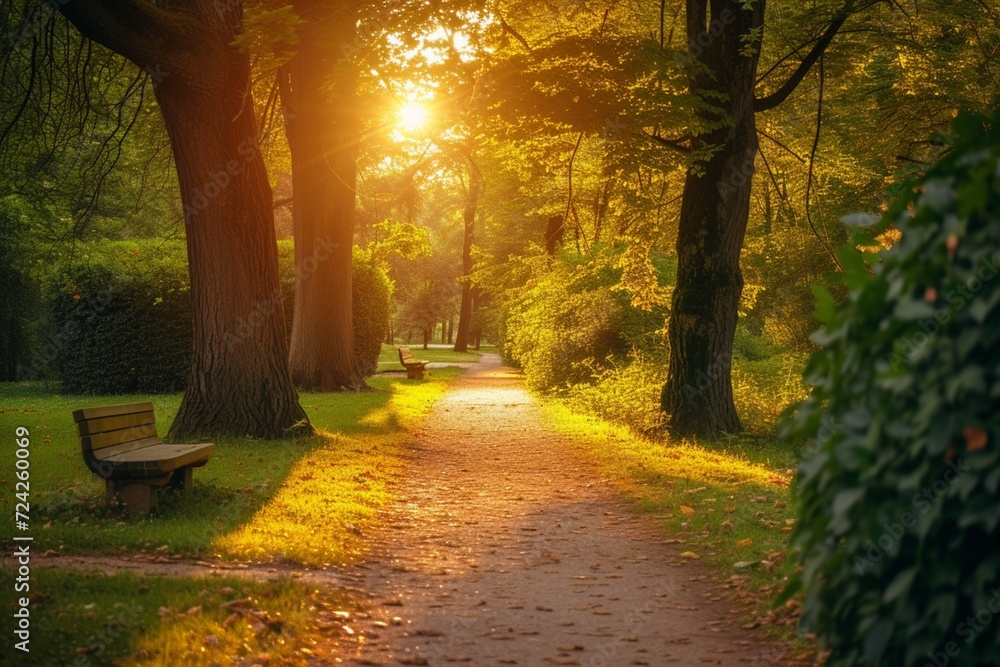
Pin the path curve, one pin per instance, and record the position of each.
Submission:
(503, 549)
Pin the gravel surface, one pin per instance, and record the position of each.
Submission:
(504, 548)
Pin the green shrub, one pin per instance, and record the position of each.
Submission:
(900, 490)
(627, 394)
(123, 322)
(565, 326)
(763, 388)
(122, 318)
(566, 320)
(371, 294)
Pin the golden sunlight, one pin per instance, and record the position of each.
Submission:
(412, 116)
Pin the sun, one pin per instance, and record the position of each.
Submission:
(412, 116)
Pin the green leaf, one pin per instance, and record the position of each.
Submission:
(825, 306)
(901, 584)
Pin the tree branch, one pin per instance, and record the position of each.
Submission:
(676, 144)
(780, 95)
(138, 30)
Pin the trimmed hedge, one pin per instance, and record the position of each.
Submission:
(122, 322)
(899, 491)
(123, 325)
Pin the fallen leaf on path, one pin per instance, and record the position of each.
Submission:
(744, 543)
(689, 554)
(687, 510)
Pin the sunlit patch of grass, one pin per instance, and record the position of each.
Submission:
(328, 503)
(723, 507)
(360, 438)
(84, 618)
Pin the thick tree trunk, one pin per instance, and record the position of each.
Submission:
(465, 312)
(321, 119)
(698, 395)
(239, 382)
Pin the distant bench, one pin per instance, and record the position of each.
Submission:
(120, 445)
(414, 367)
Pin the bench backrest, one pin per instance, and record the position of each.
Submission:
(114, 429)
(404, 355)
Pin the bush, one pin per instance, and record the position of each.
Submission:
(371, 293)
(123, 322)
(565, 326)
(900, 492)
(627, 394)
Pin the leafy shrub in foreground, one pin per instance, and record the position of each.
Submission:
(900, 490)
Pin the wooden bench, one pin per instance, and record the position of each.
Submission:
(120, 445)
(414, 367)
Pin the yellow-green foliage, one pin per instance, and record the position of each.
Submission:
(625, 394)
(762, 389)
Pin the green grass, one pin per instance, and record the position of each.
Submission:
(310, 500)
(82, 619)
(389, 358)
(727, 503)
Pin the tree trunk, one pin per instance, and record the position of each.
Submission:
(319, 100)
(465, 312)
(477, 327)
(698, 394)
(450, 325)
(239, 382)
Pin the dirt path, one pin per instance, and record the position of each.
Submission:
(503, 549)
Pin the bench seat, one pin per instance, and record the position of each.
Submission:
(414, 367)
(158, 460)
(119, 444)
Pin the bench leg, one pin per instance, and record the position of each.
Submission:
(138, 498)
(415, 373)
(181, 479)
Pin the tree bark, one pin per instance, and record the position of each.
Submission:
(239, 382)
(477, 326)
(698, 394)
(318, 89)
(465, 311)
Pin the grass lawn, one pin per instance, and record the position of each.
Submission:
(309, 500)
(727, 503)
(85, 619)
(389, 358)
